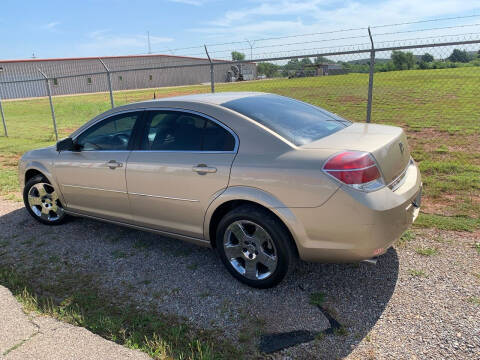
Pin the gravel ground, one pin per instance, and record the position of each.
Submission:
(407, 306)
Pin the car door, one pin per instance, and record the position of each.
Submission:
(92, 179)
(183, 163)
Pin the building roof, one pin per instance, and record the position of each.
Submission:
(104, 57)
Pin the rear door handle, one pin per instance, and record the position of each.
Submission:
(113, 164)
(202, 169)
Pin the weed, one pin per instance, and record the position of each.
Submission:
(426, 251)
(317, 299)
(204, 294)
(474, 300)
(192, 267)
(340, 331)
(477, 247)
(406, 237)
(119, 254)
(417, 273)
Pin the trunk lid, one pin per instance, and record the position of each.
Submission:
(388, 144)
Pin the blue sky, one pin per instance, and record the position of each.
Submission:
(118, 27)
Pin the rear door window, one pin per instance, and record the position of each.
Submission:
(182, 131)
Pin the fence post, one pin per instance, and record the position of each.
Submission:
(3, 119)
(370, 78)
(49, 93)
(212, 74)
(109, 81)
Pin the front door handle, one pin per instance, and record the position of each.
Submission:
(113, 164)
(203, 169)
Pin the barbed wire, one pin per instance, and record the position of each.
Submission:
(328, 32)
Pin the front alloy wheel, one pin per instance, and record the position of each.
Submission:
(42, 202)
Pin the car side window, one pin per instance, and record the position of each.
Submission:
(113, 133)
(181, 131)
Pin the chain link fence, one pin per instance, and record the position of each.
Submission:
(423, 80)
(403, 78)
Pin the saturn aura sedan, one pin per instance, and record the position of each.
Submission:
(263, 179)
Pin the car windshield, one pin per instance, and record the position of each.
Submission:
(296, 121)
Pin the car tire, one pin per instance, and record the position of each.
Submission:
(42, 202)
(255, 246)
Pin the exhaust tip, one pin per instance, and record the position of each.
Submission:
(372, 261)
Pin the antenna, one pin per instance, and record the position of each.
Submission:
(149, 45)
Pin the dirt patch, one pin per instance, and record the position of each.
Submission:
(431, 139)
(10, 161)
(351, 99)
(447, 205)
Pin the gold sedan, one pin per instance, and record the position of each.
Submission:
(261, 178)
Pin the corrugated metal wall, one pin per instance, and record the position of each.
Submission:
(75, 83)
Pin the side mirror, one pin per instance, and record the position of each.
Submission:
(66, 145)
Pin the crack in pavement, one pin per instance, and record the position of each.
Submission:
(19, 344)
(270, 343)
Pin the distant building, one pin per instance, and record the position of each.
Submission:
(12, 71)
(329, 69)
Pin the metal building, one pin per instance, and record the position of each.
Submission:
(22, 78)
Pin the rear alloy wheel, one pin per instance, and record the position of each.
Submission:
(254, 246)
(42, 202)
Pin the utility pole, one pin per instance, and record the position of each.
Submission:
(251, 44)
(148, 40)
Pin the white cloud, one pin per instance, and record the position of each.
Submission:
(51, 25)
(102, 42)
(189, 2)
(276, 18)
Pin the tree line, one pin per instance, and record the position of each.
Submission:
(399, 60)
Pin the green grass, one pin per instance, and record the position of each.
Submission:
(474, 300)
(426, 251)
(477, 247)
(317, 299)
(417, 273)
(454, 223)
(158, 335)
(406, 237)
(439, 110)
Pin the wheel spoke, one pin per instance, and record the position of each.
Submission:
(251, 269)
(270, 261)
(233, 251)
(41, 189)
(54, 197)
(238, 230)
(45, 210)
(34, 200)
(260, 235)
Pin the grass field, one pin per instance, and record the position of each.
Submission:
(439, 110)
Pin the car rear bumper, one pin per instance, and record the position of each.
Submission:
(353, 226)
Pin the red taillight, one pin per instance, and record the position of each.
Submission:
(354, 168)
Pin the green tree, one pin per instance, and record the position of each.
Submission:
(427, 58)
(403, 60)
(238, 56)
(459, 56)
(267, 69)
(323, 60)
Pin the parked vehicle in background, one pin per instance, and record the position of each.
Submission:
(261, 178)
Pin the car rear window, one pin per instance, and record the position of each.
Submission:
(296, 121)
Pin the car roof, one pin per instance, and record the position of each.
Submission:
(212, 98)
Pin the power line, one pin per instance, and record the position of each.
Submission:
(329, 32)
